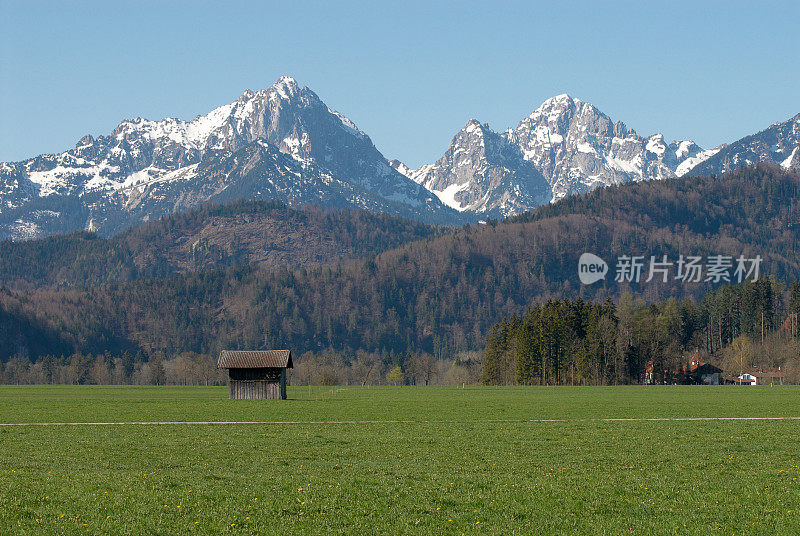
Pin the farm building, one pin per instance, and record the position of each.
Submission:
(759, 377)
(742, 379)
(700, 372)
(256, 374)
(747, 379)
(696, 372)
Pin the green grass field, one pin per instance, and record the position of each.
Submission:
(459, 461)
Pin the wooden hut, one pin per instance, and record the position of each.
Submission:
(256, 374)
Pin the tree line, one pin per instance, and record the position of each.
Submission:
(186, 368)
(575, 342)
(189, 368)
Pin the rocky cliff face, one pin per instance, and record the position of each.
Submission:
(483, 172)
(578, 148)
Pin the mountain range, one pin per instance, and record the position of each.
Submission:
(253, 274)
(567, 146)
(285, 143)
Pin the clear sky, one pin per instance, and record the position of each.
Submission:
(409, 74)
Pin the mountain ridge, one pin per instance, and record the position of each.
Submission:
(304, 151)
(577, 148)
(283, 142)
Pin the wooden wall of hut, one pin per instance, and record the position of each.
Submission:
(257, 384)
(257, 390)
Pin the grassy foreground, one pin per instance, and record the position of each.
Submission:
(462, 461)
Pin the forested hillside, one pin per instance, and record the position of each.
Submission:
(263, 233)
(439, 295)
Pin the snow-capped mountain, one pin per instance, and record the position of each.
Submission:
(576, 148)
(280, 142)
(777, 144)
(284, 143)
(482, 172)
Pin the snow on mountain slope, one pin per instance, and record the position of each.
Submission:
(692, 162)
(482, 172)
(143, 155)
(792, 161)
(778, 144)
(283, 142)
(577, 148)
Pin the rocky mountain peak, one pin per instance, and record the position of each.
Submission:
(779, 143)
(557, 103)
(287, 85)
(246, 95)
(575, 147)
(477, 171)
(279, 142)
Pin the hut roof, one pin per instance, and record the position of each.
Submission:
(255, 359)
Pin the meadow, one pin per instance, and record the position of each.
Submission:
(404, 460)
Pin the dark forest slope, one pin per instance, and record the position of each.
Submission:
(264, 233)
(442, 294)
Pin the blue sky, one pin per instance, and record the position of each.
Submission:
(409, 74)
